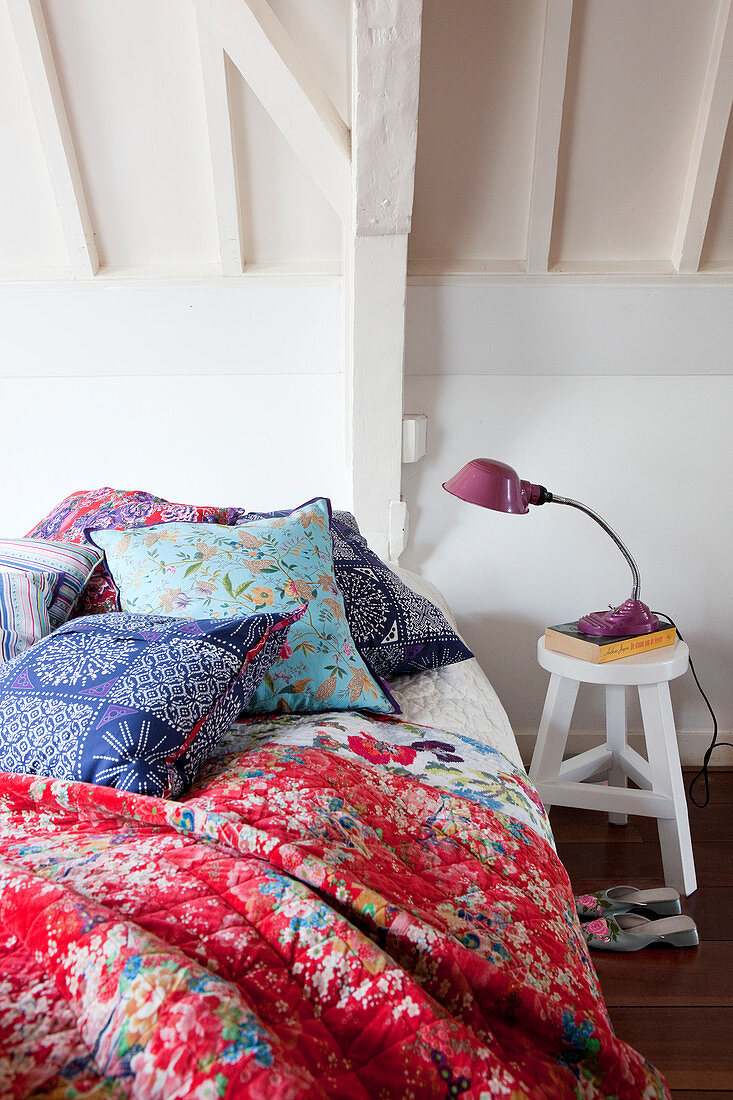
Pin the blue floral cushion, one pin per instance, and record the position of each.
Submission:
(273, 564)
(132, 701)
(397, 631)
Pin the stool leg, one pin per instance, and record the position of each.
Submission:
(553, 731)
(666, 777)
(616, 741)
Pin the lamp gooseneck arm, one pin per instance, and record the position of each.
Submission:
(552, 498)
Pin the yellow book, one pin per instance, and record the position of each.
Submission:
(566, 638)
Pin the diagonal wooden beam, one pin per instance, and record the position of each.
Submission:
(385, 83)
(272, 65)
(223, 155)
(707, 145)
(39, 69)
(555, 46)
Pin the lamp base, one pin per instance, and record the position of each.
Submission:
(628, 619)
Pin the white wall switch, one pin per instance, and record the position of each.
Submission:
(414, 437)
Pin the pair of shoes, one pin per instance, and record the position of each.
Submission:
(616, 919)
(631, 932)
(664, 902)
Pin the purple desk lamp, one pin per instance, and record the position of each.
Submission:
(495, 485)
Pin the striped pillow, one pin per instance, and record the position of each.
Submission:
(24, 602)
(73, 563)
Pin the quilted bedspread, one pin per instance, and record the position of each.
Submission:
(342, 907)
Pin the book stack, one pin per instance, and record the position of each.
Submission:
(566, 638)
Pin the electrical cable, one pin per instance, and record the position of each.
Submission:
(714, 743)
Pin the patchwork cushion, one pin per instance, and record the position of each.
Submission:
(115, 508)
(24, 601)
(71, 563)
(132, 701)
(273, 564)
(397, 631)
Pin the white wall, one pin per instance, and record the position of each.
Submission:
(204, 393)
(232, 393)
(601, 393)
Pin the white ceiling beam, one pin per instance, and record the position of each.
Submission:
(385, 85)
(223, 153)
(707, 145)
(39, 69)
(553, 73)
(272, 65)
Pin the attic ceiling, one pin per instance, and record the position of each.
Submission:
(585, 137)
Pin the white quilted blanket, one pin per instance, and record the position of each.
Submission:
(458, 698)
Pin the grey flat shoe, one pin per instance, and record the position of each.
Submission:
(631, 932)
(664, 902)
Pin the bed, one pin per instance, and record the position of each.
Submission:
(343, 904)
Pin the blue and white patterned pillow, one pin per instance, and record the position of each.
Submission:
(24, 603)
(132, 701)
(396, 631)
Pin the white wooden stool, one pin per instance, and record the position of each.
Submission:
(663, 792)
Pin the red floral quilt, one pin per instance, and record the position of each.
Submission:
(302, 924)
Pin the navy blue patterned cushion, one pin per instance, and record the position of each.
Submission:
(396, 631)
(132, 701)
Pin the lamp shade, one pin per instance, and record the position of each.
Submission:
(492, 484)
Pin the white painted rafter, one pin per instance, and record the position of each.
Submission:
(39, 69)
(707, 145)
(555, 46)
(386, 80)
(222, 150)
(385, 84)
(275, 70)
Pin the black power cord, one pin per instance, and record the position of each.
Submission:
(714, 743)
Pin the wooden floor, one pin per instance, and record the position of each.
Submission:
(675, 1006)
